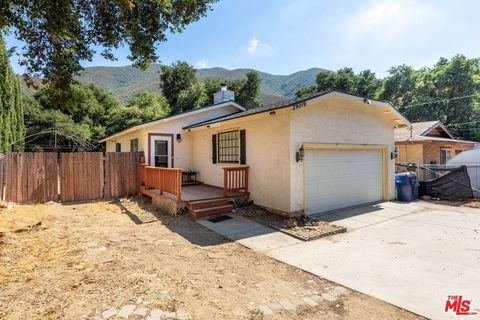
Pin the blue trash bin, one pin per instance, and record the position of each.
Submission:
(406, 184)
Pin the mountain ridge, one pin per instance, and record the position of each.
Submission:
(124, 82)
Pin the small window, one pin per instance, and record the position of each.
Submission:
(118, 147)
(445, 155)
(228, 147)
(134, 145)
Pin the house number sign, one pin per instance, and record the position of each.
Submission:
(299, 105)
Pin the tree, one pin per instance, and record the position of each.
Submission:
(192, 98)
(364, 83)
(179, 78)
(247, 90)
(367, 84)
(432, 93)
(53, 130)
(77, 128)
(399, 86)
(12, 127)
(59, 35)
(145, 107)
(248, 94)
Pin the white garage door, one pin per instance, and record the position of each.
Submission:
(337, 179)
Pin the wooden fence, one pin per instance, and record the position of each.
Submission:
(117, 182)
(2, 176)
(41, 177)
(31, 177)
(81, 176)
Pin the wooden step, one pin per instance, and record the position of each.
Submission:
(207, 203)
(211, 211)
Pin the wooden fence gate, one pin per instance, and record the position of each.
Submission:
(41, 177)
(121, 174)
(81, 176)
(31, 177)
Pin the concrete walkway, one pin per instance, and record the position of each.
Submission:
(251, 234)
(410, 255)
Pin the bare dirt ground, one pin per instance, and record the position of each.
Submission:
(85, 258)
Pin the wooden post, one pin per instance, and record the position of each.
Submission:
(246, 178)
(161, 177)
(179, 185)
(225, 182)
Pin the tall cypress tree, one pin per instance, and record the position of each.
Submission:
(12, 127)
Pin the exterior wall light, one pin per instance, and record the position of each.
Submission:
(367, 101)
(394, 154)
(179, 137)
(299, 154)
(273, 113)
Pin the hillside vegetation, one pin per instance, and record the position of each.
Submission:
(126, 82)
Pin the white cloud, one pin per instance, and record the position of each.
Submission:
(393, 21)
(380, 34)
(201, 64)
(253, 46)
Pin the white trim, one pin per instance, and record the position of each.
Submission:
(186, 114)
(238, 146)
(169, 141)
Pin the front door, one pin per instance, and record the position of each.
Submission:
(161, 151)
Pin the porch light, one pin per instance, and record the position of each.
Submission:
(299, 154)
(179, 137)
(394, 154)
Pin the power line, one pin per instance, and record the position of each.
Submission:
(463, 123)
(436, 101)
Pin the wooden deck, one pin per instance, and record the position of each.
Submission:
(199, 192)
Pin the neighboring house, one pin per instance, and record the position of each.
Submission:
(428, 142)
(309, 155)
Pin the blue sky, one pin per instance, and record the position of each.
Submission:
(281, 37)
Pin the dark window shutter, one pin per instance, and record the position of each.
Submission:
(214, 148)
(243, 148)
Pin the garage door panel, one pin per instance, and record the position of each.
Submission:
(339, 178)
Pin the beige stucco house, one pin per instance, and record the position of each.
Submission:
(309, 155)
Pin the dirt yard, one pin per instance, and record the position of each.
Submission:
(76, 261)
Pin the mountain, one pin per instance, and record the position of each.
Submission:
(126, 82)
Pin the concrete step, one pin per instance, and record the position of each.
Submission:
(211, 211)
(207, 203)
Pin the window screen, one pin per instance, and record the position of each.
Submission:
(228, 147)
(118, 147)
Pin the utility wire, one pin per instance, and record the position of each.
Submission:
(436, 101)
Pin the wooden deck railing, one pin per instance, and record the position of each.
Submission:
(163, 179)
(235, 179)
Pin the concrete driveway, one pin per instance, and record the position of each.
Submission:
(410, 255)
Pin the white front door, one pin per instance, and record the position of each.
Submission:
(161, 151)
(337, 179)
